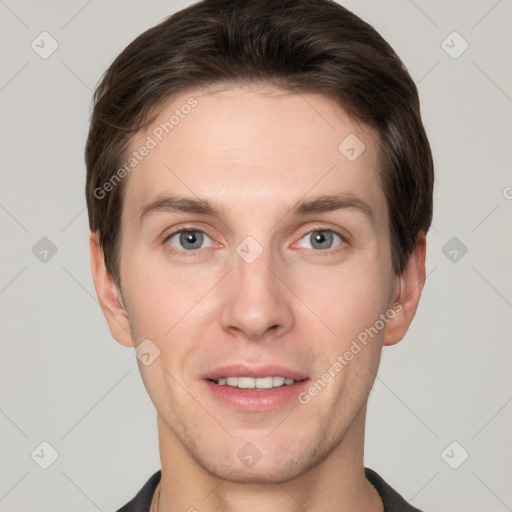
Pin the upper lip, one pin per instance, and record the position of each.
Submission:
(242, 370)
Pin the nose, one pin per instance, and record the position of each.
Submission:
(257, 303)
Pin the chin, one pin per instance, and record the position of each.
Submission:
(251, 466)
(270, 473)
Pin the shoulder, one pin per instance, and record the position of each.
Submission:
(393, 502)
(142, 501)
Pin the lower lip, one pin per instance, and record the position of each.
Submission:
(256, 401)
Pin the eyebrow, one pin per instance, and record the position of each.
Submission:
(324, 203)
(341, 201)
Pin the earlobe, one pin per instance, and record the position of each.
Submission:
(410, 286)
(109, 295)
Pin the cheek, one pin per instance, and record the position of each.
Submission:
(351, 305)
(167, 305)
(345, 301)
(154, 299)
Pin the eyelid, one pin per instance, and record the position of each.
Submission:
(185, 229)
(344, 239)
(307, 231)
(338, 231)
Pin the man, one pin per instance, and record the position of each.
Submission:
(259, 188)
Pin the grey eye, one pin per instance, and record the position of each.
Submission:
(321, 239)
(189, 240)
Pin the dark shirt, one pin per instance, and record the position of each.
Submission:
(393, 502)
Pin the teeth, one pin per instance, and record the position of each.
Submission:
(255, 383)
(246, 382)
(278, 381)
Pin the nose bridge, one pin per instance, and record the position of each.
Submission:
(255, 299)
(253, 266)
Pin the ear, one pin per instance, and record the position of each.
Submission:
(109, 295)
(408, 292)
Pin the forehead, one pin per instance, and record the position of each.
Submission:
(253, 145)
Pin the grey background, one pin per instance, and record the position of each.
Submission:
(65, 381)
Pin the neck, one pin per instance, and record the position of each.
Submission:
(337, 483)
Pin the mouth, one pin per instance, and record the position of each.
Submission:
(255, 384)
(255, 389)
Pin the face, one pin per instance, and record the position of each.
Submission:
(235, 264)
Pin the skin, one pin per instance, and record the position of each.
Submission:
(255, 151)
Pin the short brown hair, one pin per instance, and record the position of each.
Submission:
(302, 45)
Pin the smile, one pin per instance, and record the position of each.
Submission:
(247, 388)
(255, 384)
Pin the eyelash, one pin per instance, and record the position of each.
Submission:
(195, 252)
